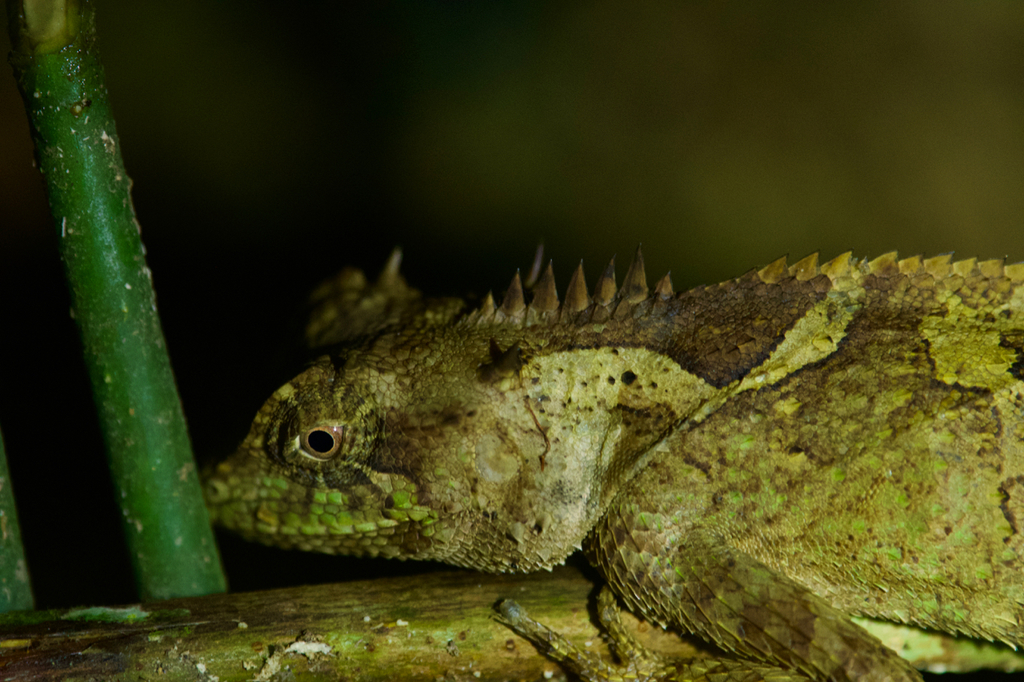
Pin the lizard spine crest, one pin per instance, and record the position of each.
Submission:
(634, 298)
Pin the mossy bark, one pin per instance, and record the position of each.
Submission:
(428, 627)
(435, 626)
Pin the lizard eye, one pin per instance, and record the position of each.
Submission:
(323, 442)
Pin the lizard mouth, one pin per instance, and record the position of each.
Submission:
(221, 486)
(215, 490)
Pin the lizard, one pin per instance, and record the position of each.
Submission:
(752, 462)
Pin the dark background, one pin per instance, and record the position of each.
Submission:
(271, 147)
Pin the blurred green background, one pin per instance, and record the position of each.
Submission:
(272, 143)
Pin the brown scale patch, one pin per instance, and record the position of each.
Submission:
(401, 454)
(983, 425)
(642, 427)
(664, 473)
(619, 534)
(723, 332)
(638, 413)
(504, 364)
(1012, 492)
(343, 478)
(830, 388)
(882, 329)
(689, 460)
(718, 333)
(1015, 341)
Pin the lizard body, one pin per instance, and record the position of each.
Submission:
(752, 462)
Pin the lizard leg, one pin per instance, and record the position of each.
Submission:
(709, 588)
(641, 664)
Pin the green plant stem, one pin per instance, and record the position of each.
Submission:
(112, 300)
(15, 588)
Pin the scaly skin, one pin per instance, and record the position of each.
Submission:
(752, 462)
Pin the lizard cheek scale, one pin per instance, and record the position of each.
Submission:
(755, 462)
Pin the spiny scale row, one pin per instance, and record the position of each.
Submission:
(635, 290)
(888, 265)
(545, 296)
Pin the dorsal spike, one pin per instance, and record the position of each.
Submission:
(545, 295)
(634, 286)
(514, 303)
(487, 307)
(838, 266)
(910, 266)
(576, 296)
(805, 268)
(993, 269)
(884, 265)
(774, 271)
(663, 289)
(604, 290)
(538, 262)
(938, 266)
(390, 272)
(504, 364)
(964, 267)
(1014, 272)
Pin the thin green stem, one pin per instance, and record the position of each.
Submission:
(15, 587)
(77, 148)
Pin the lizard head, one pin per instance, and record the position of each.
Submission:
(418, 445)
(481, 439)
(320, 471)
(376, 452)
